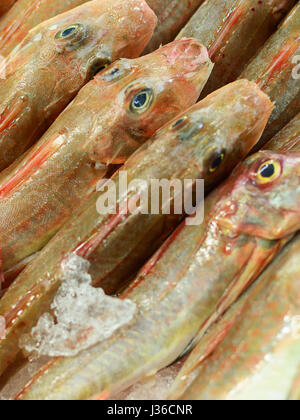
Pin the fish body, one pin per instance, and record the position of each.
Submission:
(233, 31)
(5, 6)
(172, 16)
(99, 130)
(276, 70)
(288, 139)
(253, 352)
(294, 394)
(25, 15)
(57, 58)
(167, 319)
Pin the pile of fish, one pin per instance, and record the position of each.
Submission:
(170, 90)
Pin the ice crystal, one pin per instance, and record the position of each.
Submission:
(82, 315)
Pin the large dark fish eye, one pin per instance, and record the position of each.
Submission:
(142, 101)
(73, 34)
(268, 171)
(216, 160)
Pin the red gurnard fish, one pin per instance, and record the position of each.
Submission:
(276, 70)
(233, 31)
(111, 117)
(25, 15)
(57, 59)
(198, 133)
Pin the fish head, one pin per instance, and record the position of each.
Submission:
(88, 38)
(219, 132)
(150, 91)
(264, 196)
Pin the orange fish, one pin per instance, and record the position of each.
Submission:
(57, 58)
(109, 119)
(25, 15)
(233, 31)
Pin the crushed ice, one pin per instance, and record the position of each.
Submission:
(82, 315)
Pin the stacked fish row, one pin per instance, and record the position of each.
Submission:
(85, 96)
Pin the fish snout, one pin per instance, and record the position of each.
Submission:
(188, 54)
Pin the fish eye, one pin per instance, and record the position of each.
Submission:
(216, 160)
(73, 33)
(268, 171)
(180, 122)
(142, 101)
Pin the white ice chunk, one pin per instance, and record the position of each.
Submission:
(83, 315)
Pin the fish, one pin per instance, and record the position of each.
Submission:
(233, 31)
(276, 72)
(110, 118)
(172, 16)
(25, 15)
(253, 352)
(57, 58)
(125, 246)
(285, 142)
(178, 290)
(5, 6)
(288, 139)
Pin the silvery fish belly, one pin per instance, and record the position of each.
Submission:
(253, 353)
(25, 15)
(276, 70)
(116, 244)
(233, 31)
(111, 117)
(57, 58)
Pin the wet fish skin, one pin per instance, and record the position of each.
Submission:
(162, 301)
(5, 6)
(294, 394)
(288, 139)
(255, 338)
(233, 31)
(274, 70)
(25, 15)
(176, 73)
(44, 73)
(172, 16)
(97, 131)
